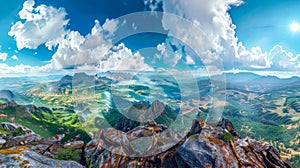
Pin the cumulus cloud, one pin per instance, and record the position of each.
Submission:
(3, 56)
(221, 43)
(14, 57)
(281, 59)
(166, 55)
(122, 58)
(47, 25)
(39, 25)
(212, 32)
(213, 20)
(252, 58)
(211, 17)
(96, 51)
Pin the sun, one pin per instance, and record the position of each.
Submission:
(295, 27)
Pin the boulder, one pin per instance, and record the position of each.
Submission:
(205, 151)
(74, 145)
(228, 126)
(21, 156)
(12, 126)
(196, 126)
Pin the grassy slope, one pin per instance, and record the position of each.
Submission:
(258, 128)
(45, 124)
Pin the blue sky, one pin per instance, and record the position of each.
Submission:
(52, 36)
(267, 23)
(82, 15)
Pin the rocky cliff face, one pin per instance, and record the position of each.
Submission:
(21, 147)
(206, 145)
(12, 103)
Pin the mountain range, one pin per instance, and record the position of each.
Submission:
(81, 107)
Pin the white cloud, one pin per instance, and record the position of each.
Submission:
(152, 4)
(76, 50)
(213, 19)
(40, 25)
(123, 59)
(110, 26)
(95, 51)
(252, 58)
(18, 69)
(27, 70)
(5, 69)
(3, 56)
(47, 25)
(189, 60)
(166, 55)
(283, 60)
(14, 57)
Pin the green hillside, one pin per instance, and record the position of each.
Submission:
(46, 122)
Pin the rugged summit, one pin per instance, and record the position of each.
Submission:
(205, 146)
(21, 147)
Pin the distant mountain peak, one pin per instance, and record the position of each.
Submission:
(6, 94)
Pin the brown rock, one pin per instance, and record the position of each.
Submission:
(21, 156)
(49, 155)
(74, 145)
(53, 148)
(201, 149)
(40, 148)
(227, 125)
(57, 138)
(197, 126)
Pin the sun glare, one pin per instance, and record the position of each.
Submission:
(295, 27)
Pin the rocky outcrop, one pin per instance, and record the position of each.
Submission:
(13, 126)
(227, 126)
(74, 145)
(22, 156)
(205, 146)
(29, 149)
(12, 103)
